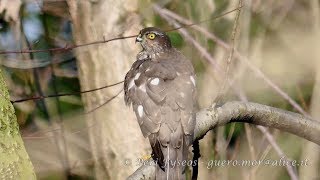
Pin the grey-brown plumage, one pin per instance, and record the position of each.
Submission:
(160, 86)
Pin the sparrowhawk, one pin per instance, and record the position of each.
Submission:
(161, 88)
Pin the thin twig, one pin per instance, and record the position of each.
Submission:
(103, 41)
(189, 38)
(273, 142)
(64, 146)
(64, 94)
(280, 153)
(230, 134)
(250, 141)
(77, 131)
(300, 97)
(230, 57)
(276, 147)
(66, 48)
(70, 47)
(244, 59)
(113, 97)
(232, 40)
(36, 73)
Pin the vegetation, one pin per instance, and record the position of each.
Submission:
(275, 62)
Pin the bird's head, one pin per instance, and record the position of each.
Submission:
(153, 40)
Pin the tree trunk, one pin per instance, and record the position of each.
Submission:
(14, 160)
(115, 136)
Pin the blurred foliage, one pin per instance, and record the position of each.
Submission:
(3, 25)
(238, 130)
(176, 39)
(41, 30)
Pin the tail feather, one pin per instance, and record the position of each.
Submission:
(157, 154)
(173, 158)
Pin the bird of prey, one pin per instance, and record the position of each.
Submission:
(161, 88)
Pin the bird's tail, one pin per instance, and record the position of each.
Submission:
(175, 162)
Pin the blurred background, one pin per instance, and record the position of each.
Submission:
(276, 61)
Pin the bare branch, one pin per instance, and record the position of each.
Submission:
(260, 115)
(275, 146)
(165, 13)
(279, 151)
(64, 94)
(103, 41)
(232, 40)
(63, 49)
(247, 112)
(239, 56)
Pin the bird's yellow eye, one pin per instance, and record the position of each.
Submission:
(151, 36)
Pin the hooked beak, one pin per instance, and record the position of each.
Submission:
(139, 38)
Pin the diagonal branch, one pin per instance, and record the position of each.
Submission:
(245, 60)
(273, 143)
(75, 46)
(64, 94)
(209, 58)
(247, 112)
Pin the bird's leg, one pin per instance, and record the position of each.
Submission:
(196, 156)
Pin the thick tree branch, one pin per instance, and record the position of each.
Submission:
(247, 112)
(260, 115)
